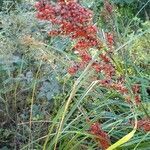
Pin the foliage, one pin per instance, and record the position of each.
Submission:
(42, 105)
(140, 47)
(18, 78)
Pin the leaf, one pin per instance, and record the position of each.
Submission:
(124, 139)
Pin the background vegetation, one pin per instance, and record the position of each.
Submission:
(35, 84)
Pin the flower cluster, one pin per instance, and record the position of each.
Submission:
(72, 20)
(110, 40)
(136, 91)
(108, 7)
(101, 136)
(144, 124)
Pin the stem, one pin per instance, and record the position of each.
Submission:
(32, 101)
(74, 90)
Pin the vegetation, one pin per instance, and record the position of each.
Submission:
(74, 75)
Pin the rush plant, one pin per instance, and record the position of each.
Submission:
(94, 54)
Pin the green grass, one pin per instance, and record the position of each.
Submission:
(42, 107)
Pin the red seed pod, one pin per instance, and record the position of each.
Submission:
(97, 67)
(135, 88)
(101, 136)
(72, 70)
(108, 7)
(85, 57)
(110, 38)
(104, 58)
(54, 33)
(137, 99)
(143, 124)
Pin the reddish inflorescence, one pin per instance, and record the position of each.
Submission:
(108, 6)
(101, 136)
(144, 124)
(73, 20)
(76, 22)
(110, 40)
(136, 91)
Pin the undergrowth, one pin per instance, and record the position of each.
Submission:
(44, 105)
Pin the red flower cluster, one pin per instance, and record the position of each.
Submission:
(120, 87)
(73, 20)
(72, 70)
(101, 136)
(105, 58)
(110, 40)
(136, 90)
(144, 124)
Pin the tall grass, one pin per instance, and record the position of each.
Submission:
(29, 59)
